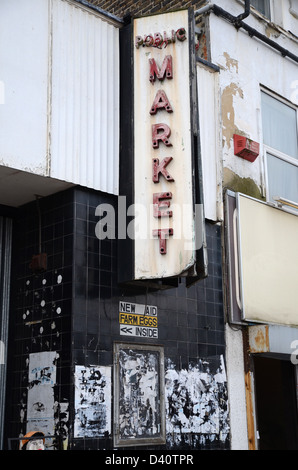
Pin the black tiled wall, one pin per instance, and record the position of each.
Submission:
(79, 313)
(190, 319)
(41, 303)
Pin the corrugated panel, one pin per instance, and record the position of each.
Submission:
(85, 98)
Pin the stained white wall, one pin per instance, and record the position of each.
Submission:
(59, 108)
(246, 64)
(24, 32)
(236, 389)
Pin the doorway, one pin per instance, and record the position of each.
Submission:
(276, 403)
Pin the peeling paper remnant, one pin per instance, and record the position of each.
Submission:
(196, 400)
(40, 401)
(92, 401)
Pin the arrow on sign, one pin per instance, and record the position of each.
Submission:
(126, 330)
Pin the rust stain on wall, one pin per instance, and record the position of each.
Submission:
(258, 339)
(228, 112)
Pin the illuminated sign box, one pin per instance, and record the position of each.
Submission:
(263, 262)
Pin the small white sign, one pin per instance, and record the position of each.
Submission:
(138, 320)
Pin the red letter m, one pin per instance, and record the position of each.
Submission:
(166, 69)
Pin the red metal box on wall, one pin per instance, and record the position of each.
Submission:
(246, 148)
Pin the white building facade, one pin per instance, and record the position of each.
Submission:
(250, 167)
(215, 329)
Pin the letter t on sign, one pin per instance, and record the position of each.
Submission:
(163, 234)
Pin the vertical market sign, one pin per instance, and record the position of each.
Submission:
(163, 164)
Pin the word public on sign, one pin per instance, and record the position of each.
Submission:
(160, 40)
(163, 167)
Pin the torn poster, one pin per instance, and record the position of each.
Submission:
(40, 400)
(92, 401)
(196, 399)
(139, 403)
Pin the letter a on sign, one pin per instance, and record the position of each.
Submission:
(161, 101)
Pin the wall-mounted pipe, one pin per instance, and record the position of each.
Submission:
(238, 23)
(236, 19)
(245, 14)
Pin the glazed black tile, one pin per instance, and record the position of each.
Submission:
(81, 258)
(81, 227)
(105, 279)
(58, 245)
(92, 291)
(81, 197)
(105, 247)
(80, 290)
(57, 292)
(211, 350)
(68, 256)
(55, 261)
(80, 242)
(93, 276)
(68, 226)
(58, 230)
(81, 211)
(93, 260)
(182, 350)
(182, 319)
(93, 244)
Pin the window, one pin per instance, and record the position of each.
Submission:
(139, 406)
(263, 6)
(280, 138)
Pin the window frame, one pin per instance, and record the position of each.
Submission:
(268, 150)
(268, 16)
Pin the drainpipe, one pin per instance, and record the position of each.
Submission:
(204, 9)
(236, 19)
(211, 7)
(243, 15)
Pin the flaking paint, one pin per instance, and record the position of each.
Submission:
(228, 112)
